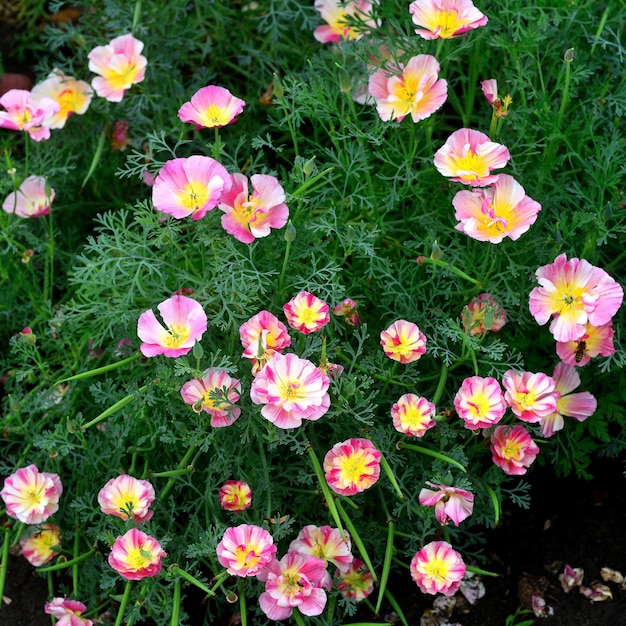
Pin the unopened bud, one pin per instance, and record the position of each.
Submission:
(308, 166)
(436, 253)
(278, 91)
(290, 232)
(197, 350)
(568, 57)
(345, 82)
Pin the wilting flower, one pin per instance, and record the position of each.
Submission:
(185, 320)
(597, 341)
(25, 113)
(403, 341)
(596, 593)
(500, 105)
(483, 314)
(235, 496)
(437, 568)
(413, 415)
(413, 89)
(41, 544)
(216, 393)
(72, 95)
(294, 582)
(356, 583)
(325, 543)
(571, 577)
(136, 555)
(577, 405)
(445, 18)
(479, 402)
(68, 612)
(352, 466)
(450, 503)
(574, 293)
(31, 496)
(125, 496)
(119, 136)
(119, 64)
(245, 550)
(292, 389)
(344, 20)
(347, 308)
(306, 313)
(530, 396)
(468, 156)
(262, 336)
(493, 213)
(33, 199)
(513, 449)
(190, 187)
(249, 216)
(211, 107)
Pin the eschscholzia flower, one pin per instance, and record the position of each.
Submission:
(403, 341)
(468, 156)
(190, 187)
(235, 496)
(493, 213)
(574, 293)
(119, 64)
(262, 336)
(344, 20)
(41, 544)
(513, 449)
(119, 135)
(67, 612)
(325, 543)
(185, 320)
(482, 314)
(450, 503)
(33, 198)
(352, 466)
(530, 396)
(438, 568)
(31, 496)
(25, 113)
(294, 582)
(597, 341)
(480, 402)
(356, 583)
(245, 550)
(444, 19)
(136, 555)
(72, 95)
(306, 313)
(125, 496)
(347, 308)
(211, 107)
(291, 389)
(577, 405)
(413, 89)
(500, 105)
(249, 216)
(216, 393)
(413, 415)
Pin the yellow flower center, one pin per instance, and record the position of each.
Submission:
(121, 79)
(194, 196)
(215, 115)
(446, 23)
(289, 582)
(246, 556)
(138, 558)
(436, 568)
(479, 405)
(512, 449)
(352, 468)
(178, 336)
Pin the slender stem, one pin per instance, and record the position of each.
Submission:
(176, 605)
(386, 564)
(297, 618)
(427, 452)
(569, 57)
(356, 538)
(453, 269)
(441, 385)
(136, 16)
(478, 570)
(75, 566)
(66, 564)
(391, 476)
(113, 409)
(122, 609)
(243, 611)
(4, 564)
(183, 464)
(100, 370)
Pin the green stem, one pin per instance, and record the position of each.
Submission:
(494, 501)
(297, 618)
(437, 455)
(217, 144)
(386, 564)
(356, 539)
(391, 476)
(183, 464)
(453, 269)
(569, 57)
(122, 609)
(176, 606)
(284, 267)
(483, 572)
(176, 472)
(75, 566)
(113, 409)
(100, 370)
(4, 564)
(70, 563)
(441, 385)
(243, 611)
(136, 16)
(219, 580)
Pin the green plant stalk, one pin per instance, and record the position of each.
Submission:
(136, 16)
(483, 572)
(453, 269)
(217, 144)
(284, 267)
(396, 607)
(96, 157)
(243, 611)
(99, 370)
(183, 464)
(176, 606)
(441, 385)
(437, 455)
(384, 577)
(354, 535)
(219, 580)
(70, 563)
(49, 270)
(494, 502)
(75, 566)
(176, 472)
(565, 96)
(4, 564)
(358, 367)
(122, 609)
(297, 618)
(307, 183)
(391, 476)
(120, 404)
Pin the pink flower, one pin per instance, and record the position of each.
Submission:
(136, 555)
(249, 216)
(41, 544)
(185, 320)
(530, 396)
(262, 336)
(356, 583)
(403, 341)
(31, 496)
(347, 308)
(68, 612)
(490, 89)
(25, 113)
(479, 402)
(306, 313)
(245, 550)
(119, 136)
(437, 568)
(324, 543)
(450, 503)
(413, 415)
(493, 213)
(597, 341)
(235, 496)
(126, 497)
(344, 20)
(483, 314)
(445, 18)
(468, 156)
(33, 199)
(577, 405)
(211, 107)
(352, 466)
(119, 65)
(293, 582)
(513, 449)
(190, 187)
(216, 393)
(413, 89)
(574, 293)
(292, 389)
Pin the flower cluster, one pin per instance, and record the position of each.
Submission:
(67, 612)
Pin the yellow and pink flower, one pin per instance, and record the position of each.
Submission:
(136, 555)
(325, 543)
(482, 314)
(352, 466)
(235, 496)
(356, 583)
(480, 402)
(348, 20)
(33, 198)
(531, 396)
(127, 497)
(513, 449)
(597, 341)
(438, 568)
(25, 113)
(403, 341)
(306, 313)
(413, 415)
(450, 503)
(41, 544)
(245, 550)
(67, 612)
(348, 309)
(211, 107)
(262, 336)
(444, 19)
